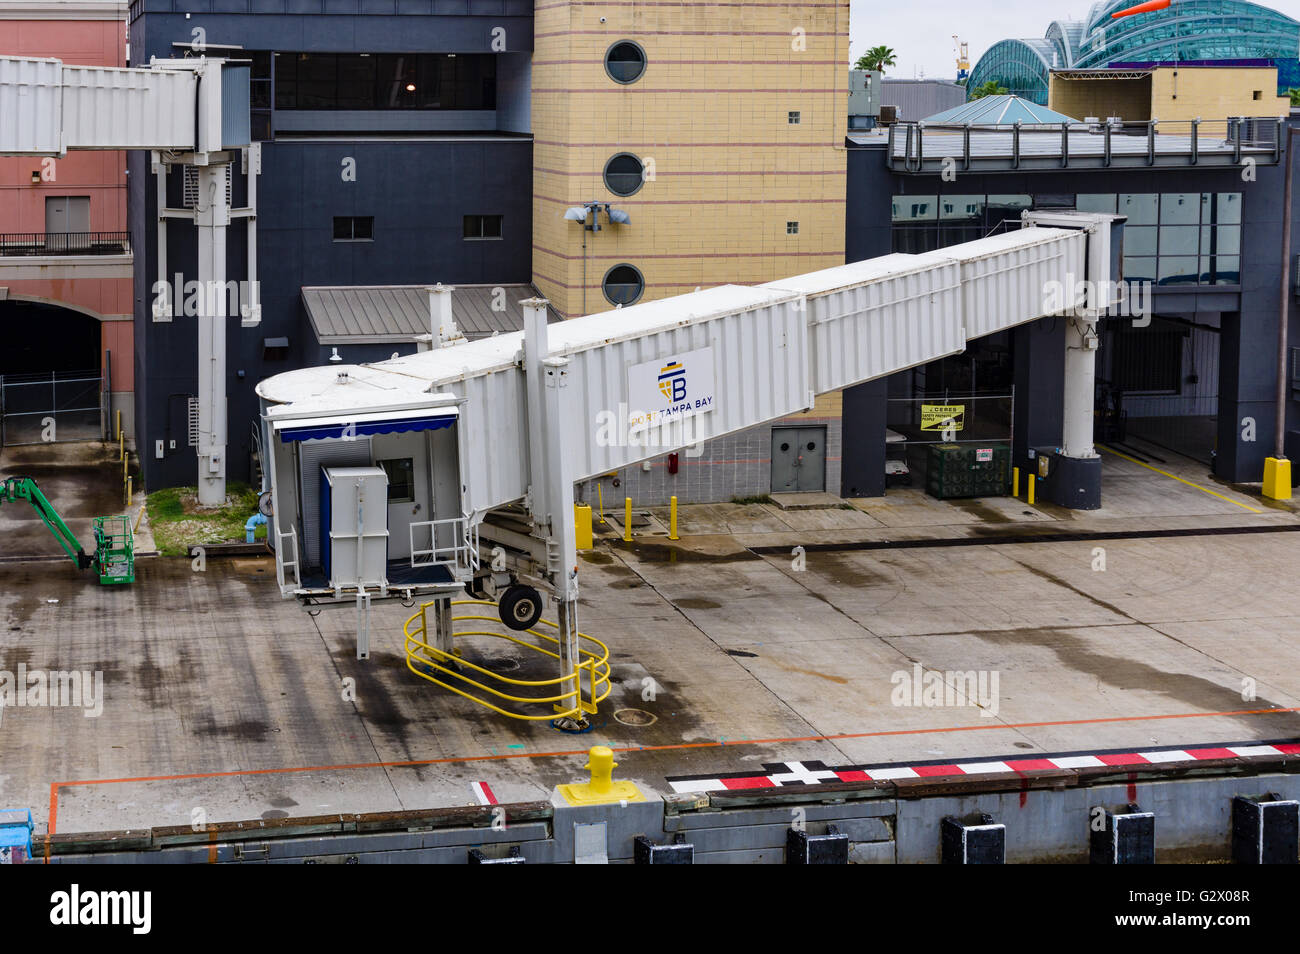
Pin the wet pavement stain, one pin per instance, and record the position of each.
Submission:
(980, 510)
(668, 553)
(691, 602)
(1075, 654)
(855, 571)
(249, 730)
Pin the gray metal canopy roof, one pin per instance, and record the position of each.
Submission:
(374, 314)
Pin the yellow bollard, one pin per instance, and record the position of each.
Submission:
(128, 492)
(672, 519)
(627, 519)
(582, 523)
(602, 789)
(600, 500)
(119, 424)
(1015, 481)
(1277, 478)
(1033, 479)
(121, 447)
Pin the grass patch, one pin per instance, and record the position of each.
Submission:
(760, 499)
(178, 522)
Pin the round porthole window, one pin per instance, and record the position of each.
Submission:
(624, 174)
(623, 285)
(625, 61)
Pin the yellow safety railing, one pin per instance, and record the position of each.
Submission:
(568, 699)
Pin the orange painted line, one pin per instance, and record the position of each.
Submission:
(721, 744)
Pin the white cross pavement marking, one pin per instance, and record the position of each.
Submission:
(798, 775)
(1169, 755)
(1077, 761)
(1253, 750)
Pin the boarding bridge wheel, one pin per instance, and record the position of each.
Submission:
(520, 607)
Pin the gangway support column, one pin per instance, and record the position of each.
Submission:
(1077, 482)
(212, 218)
(551, 485)
(1081, 300)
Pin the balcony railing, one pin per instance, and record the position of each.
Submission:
(920, 147)
(64, 243)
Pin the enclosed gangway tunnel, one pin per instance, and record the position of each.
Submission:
(508, 424)
(192, 112)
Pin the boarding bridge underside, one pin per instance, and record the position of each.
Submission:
(484, 441)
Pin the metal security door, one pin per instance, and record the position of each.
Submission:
(52, 407)
(798, 459)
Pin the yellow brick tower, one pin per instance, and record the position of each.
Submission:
(717, 127)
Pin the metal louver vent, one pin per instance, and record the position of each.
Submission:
(190, 185)
(192, 409)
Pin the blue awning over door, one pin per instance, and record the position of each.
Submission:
(336, 428)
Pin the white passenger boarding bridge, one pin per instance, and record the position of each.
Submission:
(487, 439)
(190, 112)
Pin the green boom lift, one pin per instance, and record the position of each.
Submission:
(114, 558)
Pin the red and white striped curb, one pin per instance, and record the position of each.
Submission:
(483, 792)
(815, 773)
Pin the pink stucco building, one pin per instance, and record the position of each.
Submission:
(65, 259)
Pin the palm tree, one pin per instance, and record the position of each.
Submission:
(876, 59)
(991, 88)
(1295, 96)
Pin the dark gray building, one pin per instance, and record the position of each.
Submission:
(394, 151)
(1195, 376)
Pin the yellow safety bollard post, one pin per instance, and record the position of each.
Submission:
(627, 519)
(128, 492)
(600, 500)
(1033, 479)
(1015, 481)
(1277, 478)
(119, 424)
(582, 523)
(672, 519)
(602, 789)
(121, 447)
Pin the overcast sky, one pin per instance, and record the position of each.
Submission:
(920, 31)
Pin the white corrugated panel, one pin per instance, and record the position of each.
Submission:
(492, 438)
(756, 340)
(873, 318)
(107, 108)
(1006, 278)
(31, 96)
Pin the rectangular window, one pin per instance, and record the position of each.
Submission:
(1095, 203)
(793, 117)
(792, 228)
(401, 479)
(365, 81)
(1140, 209)
(479, 227)
(354, 228)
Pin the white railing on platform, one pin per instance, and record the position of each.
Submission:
(452, 542)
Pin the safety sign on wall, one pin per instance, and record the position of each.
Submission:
(943, 417)
(671, 388)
